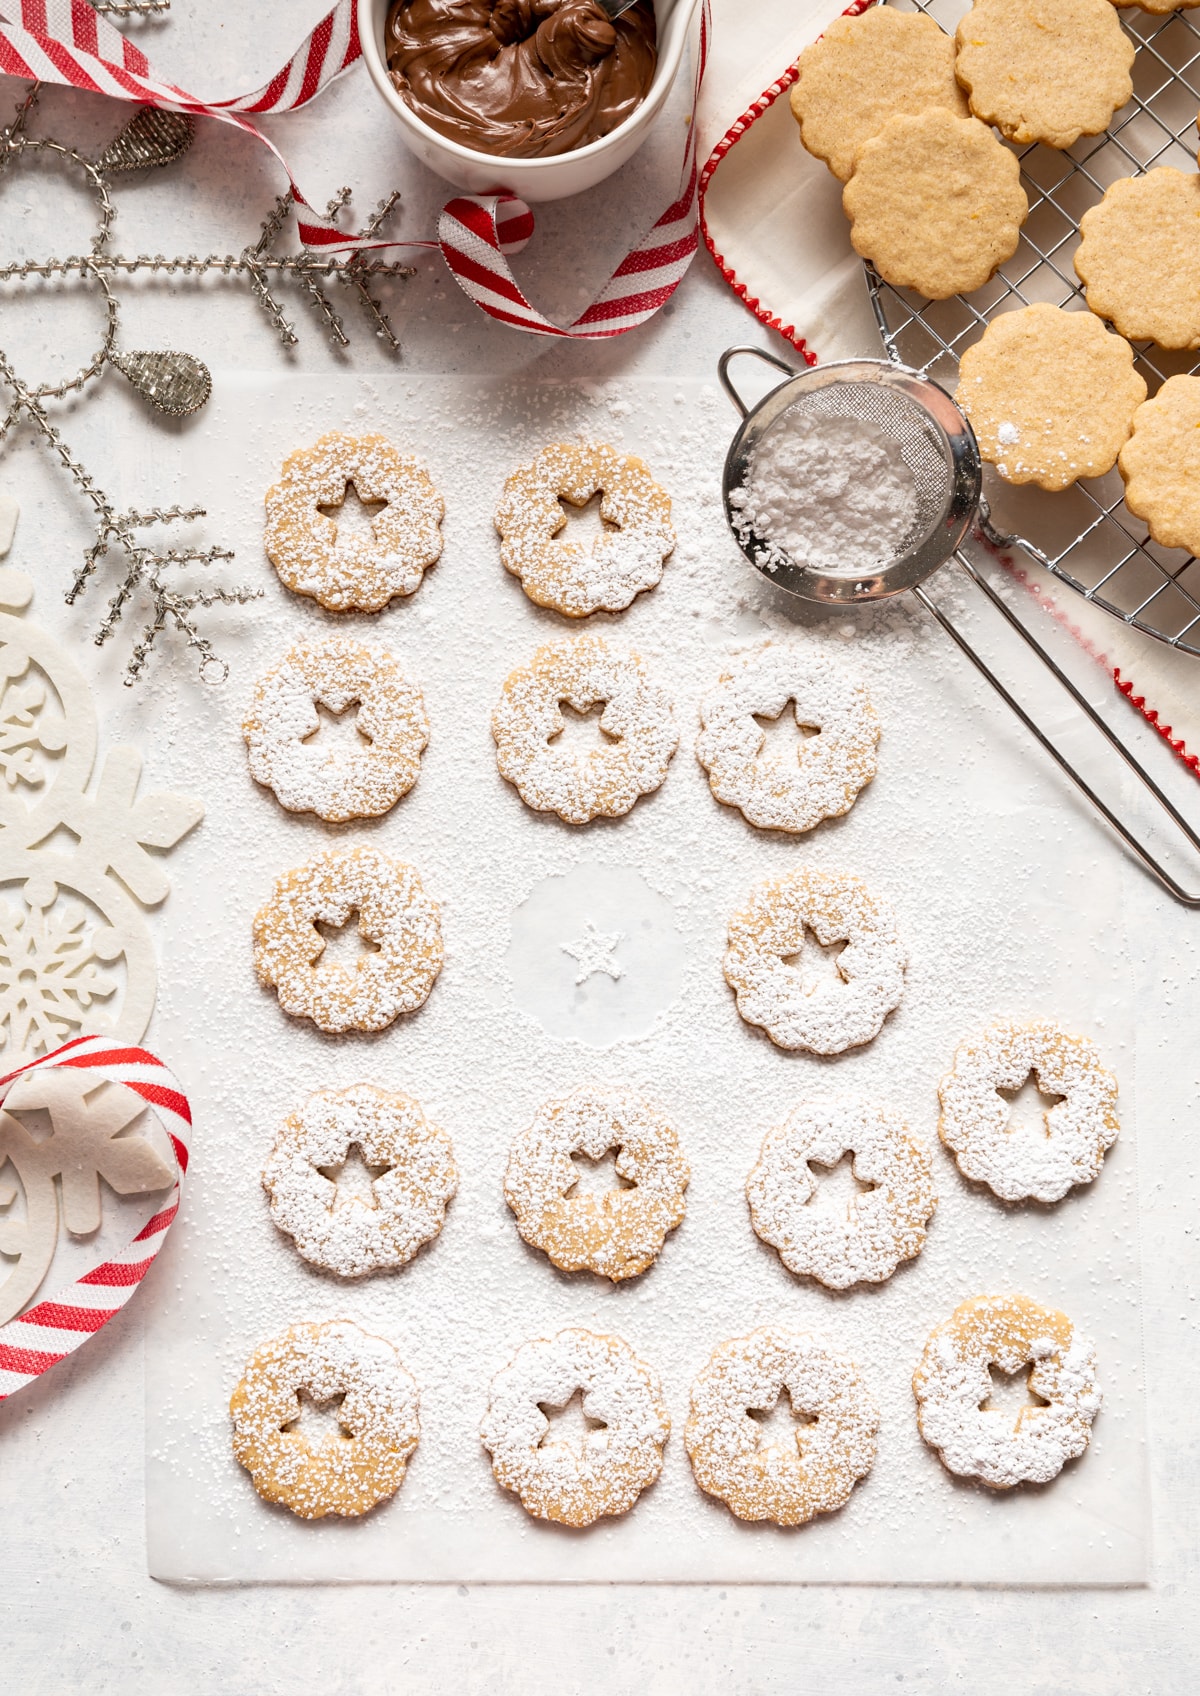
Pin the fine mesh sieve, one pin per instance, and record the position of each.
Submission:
(939, 448)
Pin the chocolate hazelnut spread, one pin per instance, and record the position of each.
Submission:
(522, 78)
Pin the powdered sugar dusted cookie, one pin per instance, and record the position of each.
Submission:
(394, 913)
(408, 1197)
(619, 1458)
(1044, 70)
(764, 963)
(617, 1234)
(575, 578)
(365, 1462)
(335, 672)
(1139, 256)
(360, 573)
(637, 724)
(1067, 1148)
(953, 1382)
(936, 203)
(1050, 394)
(865, 1241)
(823, 777)
(789, 1484)
(865, 70)
(1161, 464)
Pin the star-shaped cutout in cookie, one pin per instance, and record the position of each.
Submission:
(593, 952)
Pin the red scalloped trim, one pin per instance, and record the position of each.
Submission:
(1124, 684)
(1150, 714)
(734, 133)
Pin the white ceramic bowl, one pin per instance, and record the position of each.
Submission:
(532, 179)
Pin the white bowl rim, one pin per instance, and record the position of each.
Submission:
(664, 78)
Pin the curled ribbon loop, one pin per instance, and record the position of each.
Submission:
(51, 1330)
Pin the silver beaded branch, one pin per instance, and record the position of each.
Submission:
(173, 382)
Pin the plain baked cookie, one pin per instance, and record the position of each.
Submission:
(617, 1234)
(394, 914)
(1067, 1148)
(865, 70)
(823, 777)
(1161, 464)
(409, 1194)
(288, 756)
(621, 1396)
(365, 1461)
(1044, 70)
(935, 203)
(637, 726)
(360, 573)
(764, 962)
(1139, 257)
(952, 1385)
(1050, 395)
(866, 1240)
(578, 578)
(793, 1482)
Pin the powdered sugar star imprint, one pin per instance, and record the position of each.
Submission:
(575, 578)
(828, 769)
(1036, 1163)
(408, 1198)
(637, 722)
(620, 1394)
(394, 914)
(764, 962)
(351, 1472)
(865, 1241)
(813, 1473)
(952, 1385)
(617, 1234)
(289, 756)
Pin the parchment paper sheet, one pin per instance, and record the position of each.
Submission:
(1007, 895)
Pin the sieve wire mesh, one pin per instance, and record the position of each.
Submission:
(1085, 535)
(921, 443)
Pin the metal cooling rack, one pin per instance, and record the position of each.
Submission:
(1087, 537)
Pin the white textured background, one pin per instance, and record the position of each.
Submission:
(78, 1610)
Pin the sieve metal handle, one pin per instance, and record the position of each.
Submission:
(757, 353)
(1117, 824)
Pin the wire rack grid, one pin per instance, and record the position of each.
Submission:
(1085, 535)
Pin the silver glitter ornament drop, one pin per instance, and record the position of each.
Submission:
(175, 383)
(150, 138)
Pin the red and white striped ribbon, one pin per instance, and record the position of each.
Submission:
(67, 41)
(51, 1330)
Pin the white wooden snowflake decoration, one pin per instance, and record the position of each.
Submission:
(76, 867)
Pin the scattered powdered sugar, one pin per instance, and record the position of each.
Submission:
(829, 492)
(1008, 434)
